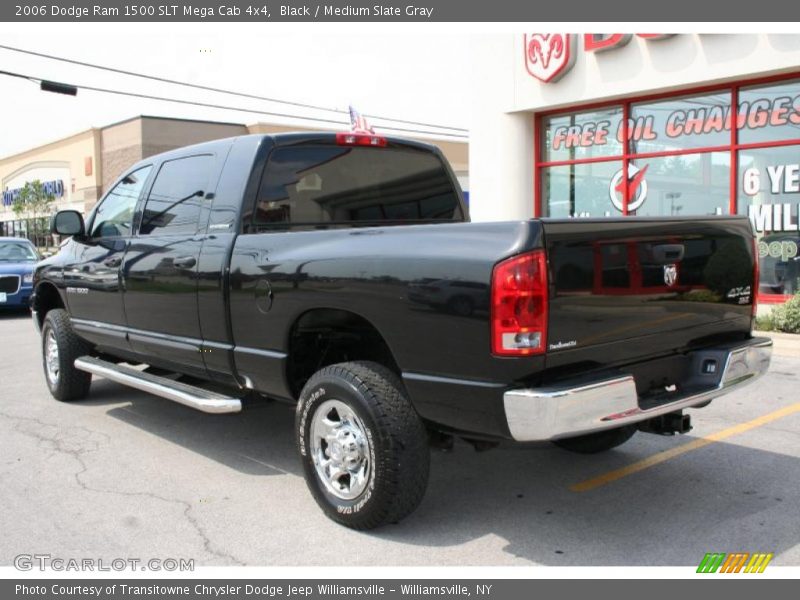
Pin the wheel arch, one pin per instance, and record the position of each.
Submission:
(324, 336)
(45, 298)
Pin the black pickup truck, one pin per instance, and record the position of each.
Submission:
(340, 272)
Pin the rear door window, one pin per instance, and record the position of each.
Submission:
(174, 203)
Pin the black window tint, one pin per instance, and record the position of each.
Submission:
(336, 185)
(114, 215)
(173, 205)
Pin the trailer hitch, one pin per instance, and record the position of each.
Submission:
(668, 424)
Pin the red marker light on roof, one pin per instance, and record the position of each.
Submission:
(360, 139)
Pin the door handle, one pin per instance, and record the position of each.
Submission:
(113, 262)
(185, 262)
(668, 253)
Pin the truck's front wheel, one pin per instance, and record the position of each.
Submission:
(60, 348)
(364, 448)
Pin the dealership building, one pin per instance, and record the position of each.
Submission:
(77, 170)
(611, 125)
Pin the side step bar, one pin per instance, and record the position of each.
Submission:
(188, 395)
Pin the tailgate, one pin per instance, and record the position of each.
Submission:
(667, 281)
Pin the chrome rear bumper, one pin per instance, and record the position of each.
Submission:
(549, 413)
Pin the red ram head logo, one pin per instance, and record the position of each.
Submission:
(548, 56)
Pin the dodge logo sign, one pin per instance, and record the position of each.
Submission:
(548, 56)
(670, 274)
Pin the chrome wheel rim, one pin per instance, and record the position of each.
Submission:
(51, 363)
(340, 450)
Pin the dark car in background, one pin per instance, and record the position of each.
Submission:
(18, 257)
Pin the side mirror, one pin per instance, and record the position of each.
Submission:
(67, 222)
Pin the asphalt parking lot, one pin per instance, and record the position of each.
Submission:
(126, 474)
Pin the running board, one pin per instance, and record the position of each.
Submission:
(188, 395)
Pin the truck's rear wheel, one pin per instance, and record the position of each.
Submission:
(597, 442)
(364, 448)
(60, 348)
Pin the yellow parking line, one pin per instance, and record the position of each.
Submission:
(656, 459)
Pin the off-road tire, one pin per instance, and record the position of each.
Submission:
(70, 383)
(397, 443)
(597, 442)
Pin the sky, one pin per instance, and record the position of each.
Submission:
(413, 76)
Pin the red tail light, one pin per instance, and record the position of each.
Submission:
(519, 305)
(756, 276)
(360, 139)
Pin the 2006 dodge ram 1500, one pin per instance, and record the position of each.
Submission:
(339, 271)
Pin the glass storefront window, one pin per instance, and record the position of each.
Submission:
(679, 185)
(680, 123)
(769, 193)
(683, 160)
(769, 113)
(579, 190)
(583, 135)
(36, 230)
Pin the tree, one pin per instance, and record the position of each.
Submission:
(729, 267)
(34, 203)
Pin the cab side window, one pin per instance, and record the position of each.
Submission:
(174, 203)
(114, 216)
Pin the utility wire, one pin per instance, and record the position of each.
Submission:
(10, 74)
(232, 108)
(218, 90)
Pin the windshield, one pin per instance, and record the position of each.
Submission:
(17, 252)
